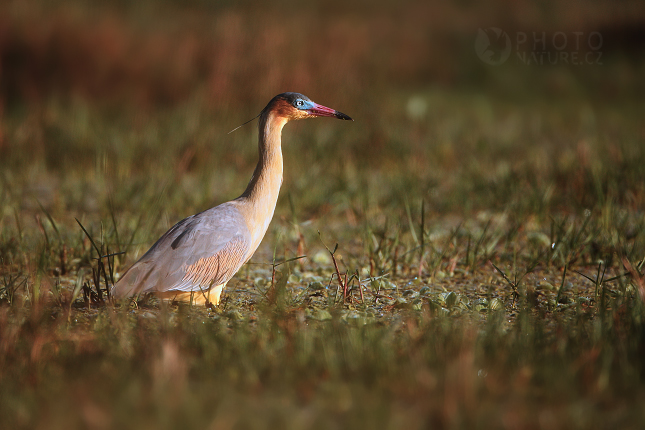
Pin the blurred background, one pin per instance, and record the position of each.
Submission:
(527, 106)
(235, 55)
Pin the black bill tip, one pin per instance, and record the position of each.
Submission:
(341, 115)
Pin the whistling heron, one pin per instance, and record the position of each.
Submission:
(195, 259)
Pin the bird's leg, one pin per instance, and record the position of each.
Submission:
(215, 293)
(201, 297)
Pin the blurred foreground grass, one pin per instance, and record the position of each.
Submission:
(489, 220)
(183, 368)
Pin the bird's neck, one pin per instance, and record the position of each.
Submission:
(261, 195)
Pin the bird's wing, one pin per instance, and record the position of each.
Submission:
(198, 252)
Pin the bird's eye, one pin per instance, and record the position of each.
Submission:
(299, 103)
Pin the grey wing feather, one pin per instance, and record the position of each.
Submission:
(200, 251)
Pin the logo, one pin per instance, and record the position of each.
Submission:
(493, 46)
(578, 48)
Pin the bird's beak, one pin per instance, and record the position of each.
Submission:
(320, 110)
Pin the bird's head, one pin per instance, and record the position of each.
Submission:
(298, 106)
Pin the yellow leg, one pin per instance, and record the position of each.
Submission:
(215, 293)
(198, 297)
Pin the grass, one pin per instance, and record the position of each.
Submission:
(474, 245)
(492, 297)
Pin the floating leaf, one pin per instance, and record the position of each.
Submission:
(316, 286)
(451, 299)
(496, 304)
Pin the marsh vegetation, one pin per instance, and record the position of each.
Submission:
(472, 245)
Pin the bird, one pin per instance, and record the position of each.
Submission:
(195, 258)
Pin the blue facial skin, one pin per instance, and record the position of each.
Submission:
(303, 104)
